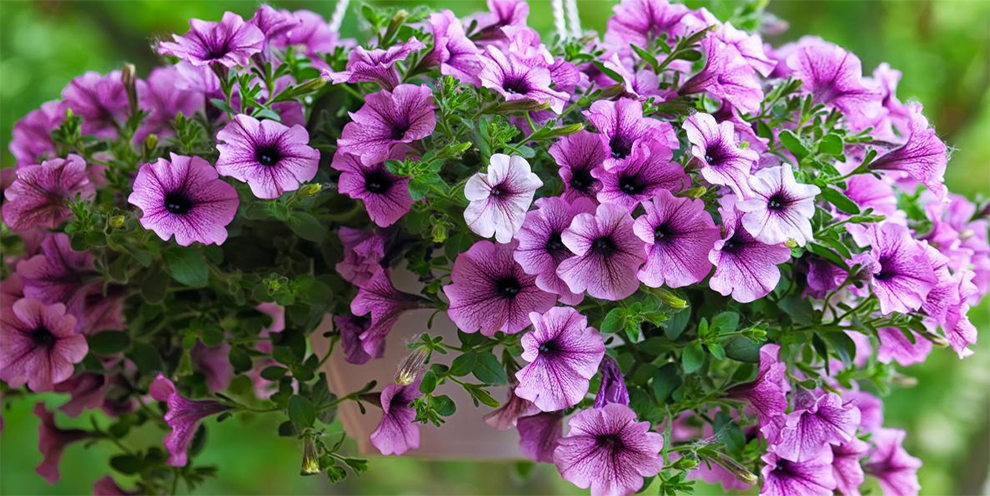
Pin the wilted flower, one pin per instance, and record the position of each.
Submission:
(40, 195)
(922, 155)
(726, 76)
(613, 385)
(52, 441)
(767, 394)
(378, 297)
(183, 417)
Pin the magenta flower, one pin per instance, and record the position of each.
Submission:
(958, 329)
(31, 142)
(500, 198)
(456, 55)
(490, 292)
(780, 208)
(183, 417)
(608, 451)
(40, 345)
(385, 196)
(622, 127)
(722, 162)
(922, 156)
(539, 435)
(274, 24)
(894, 345)
(185, 198)
(58, 274)
(86, 391)
(397, 433)
(805, 433)
(388, 119)
(578, 156)
(678, 233)
(812, 477)
(514, 408)
(607, 254)
(744, 267)
(363, 254)
(767, 394)
(846, 470)
(107, 486)
(100, 100)
(52, 442)
(503, 13)
(640, 22)
(270, 157)
(516, 79)
(312, 34)
(563, 355)
(375, 66)
(379, 298)
(613, 385)
(40, 195)
(214, 363)
(902, 274)
(750, 46)
(229, 43)
(350, 329)
(163, 98)
(644, 173)
(726, 76)
(870, 409)
(541, 248)
(892, 465)
(834, 77)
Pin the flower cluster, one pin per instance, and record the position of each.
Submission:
(703, 255)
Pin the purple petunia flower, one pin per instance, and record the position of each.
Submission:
(501, 13)
(608, 451)
(87, 391)
(870, 409)
(678, 234)
(780, 208)
(902, 275)
(750, 46)
(270, 157)
(363, 254)
(767, 394)
(744, 267)
(563, 355)
(350, 329)
(388, 119)
(922, 156)
(834, 77)
(397, 433)
(229, 43)
(960, 332)
(40, 195)
(274, 23)
(727, 76)
(622, 127)
(183, 417)
(376, 66)
(613, 385)
(641, 176)
(58, 274)
(490, 292)
(514, 408)
(815, 423)
(456, 55)
(812, 477)
(31, 142)
(578, 156)
(163, 98)
(714, 146)
(607, 254)
(541, 248)
(894, 345)
(40, 345)
(312, 34)
(52, 441)
(385, 196)
(500, 198)
(185, 198)
(213, 362)
(539, 435)
(107, 486)
(100, 100)
(892, 465)
(640, 22)
(515, 79)
(379, 298)
(846, 470)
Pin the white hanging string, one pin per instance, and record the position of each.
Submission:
(337, 19)
(558, 18)
(573, 18)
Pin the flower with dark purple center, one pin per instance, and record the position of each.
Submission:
(385, 196)
(744, 267)
(678, 233)
(902, 273)
(229, 43)
(780, 208)
(607, 254)
(815, 424)
(516, 79)
(40, 195)
(644, 173)
(40, 345)
(812, 477)
(270, 157)
(388, 119)
(396, 432)
(500, 198)
(621, 127)
(722, 161)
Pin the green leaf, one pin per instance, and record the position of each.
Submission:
(444, 405)
(108, 342)
(240, 359)
(728, 431)
(665, 381)
(154, 287)
(677, 324)
(464, 364)
(646, 56)
(428, 383)
(489, 371)
(798, 308)
(188, 266)
(614, 320)
(307, 227)
(840, 200)
(146, 357)
(301, 413)
(692, 358)
(717, 350)
(726, 322)
(831, 144)
(481, 395)
(127, 464)
(843, 346)
(743, 349)
(793, 144)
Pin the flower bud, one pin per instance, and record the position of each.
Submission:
(736, 469)
(410, 366)
(308, 87)
(117, 221)
(311, 458)
(613, 91)
(613, 388)
(150, 144)
(521, 105)
(670, 299)
(790, 243)
(439, 232)
(311, 189)
(128, 78)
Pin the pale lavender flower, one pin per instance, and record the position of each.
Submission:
(639, 22)
(456, 55)
(678, 233)
(500, 198)
(270, 157)
(722, 161)
(726, 76)
(780, 208)
(744, 267)
(846, 469)
(812, 477)
(767, 394)
(607, 254)
(834, 77)
(815, 423)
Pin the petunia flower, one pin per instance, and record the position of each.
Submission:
(379, 298)
(813, 477)
(229, 43)
(516, 79)
(749, 46)
(744, 267)
(500, 198)
(456, 55)
(270, 157)
(388, 119)
(514, 408)
(713, 145)
(213, 362)
(100, 100)
(622, 127)
(834, 77)
(274, 23)
(385, 196)
(767, 394)
(86, 391)
(780, 208)
(607, 254)
(58, 274)
(923, 156)
(539, 434)
(641, 176)
(186, 198)
(40, 345)
(816, 422)
(578, 156)
(163, 98)
(563, 355)
(678, 233)
(396, 432)
(364, 252)
(183, 417)
(31, 141)
(892, 465)
(894, 345)
(613, 385)
(312, 35)
(490, 292)
(870, 409)
(107, 486)
(52, 442)
(501, 13)
(902, 275)
(40, 195)
(640, 22)
(375, 66)
(541, 248)
(726, 76)
(846, 469)
(960, 332)
(607, 450)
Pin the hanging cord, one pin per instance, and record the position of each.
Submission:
(338, 15)
(574, 19)
(558, 18)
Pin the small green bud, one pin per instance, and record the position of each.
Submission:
(790, 243)
(410, 367)
(150, 144)
(117, 221)
(439, 232)
(670, 299)
(311, 458)
(736, 469)
(311, 189)
(697, 192)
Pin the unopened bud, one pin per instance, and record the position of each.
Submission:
(613, 91)
(670, 299)
(311, 458)
(696, 192)
(736, 469)
(565, 130)
(935, 339)
(128, 78)
(685, 463)
(521, 105)
(150, 144)
(310, 189)
(117, 221)
(410, 367)
(790, 243)
(439, 232)
(308, 87)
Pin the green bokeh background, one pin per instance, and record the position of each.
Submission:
(941, 46)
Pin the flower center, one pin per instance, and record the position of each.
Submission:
(776, 202)
(714, 154)
(603, 246)
(43, 338)
(554, 244)
(886, 271)
(548, 347)
(733, 244)
(498, 191)
(177, 203)
(581, 179)
(631, 185)
(377, 181)
(268, 155)
(662, 231)
(611, 442)
(508, 287)
(621, 148)
(218, 51)
(399, 130)
(516, 85)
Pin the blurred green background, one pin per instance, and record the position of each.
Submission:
(942, 47)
